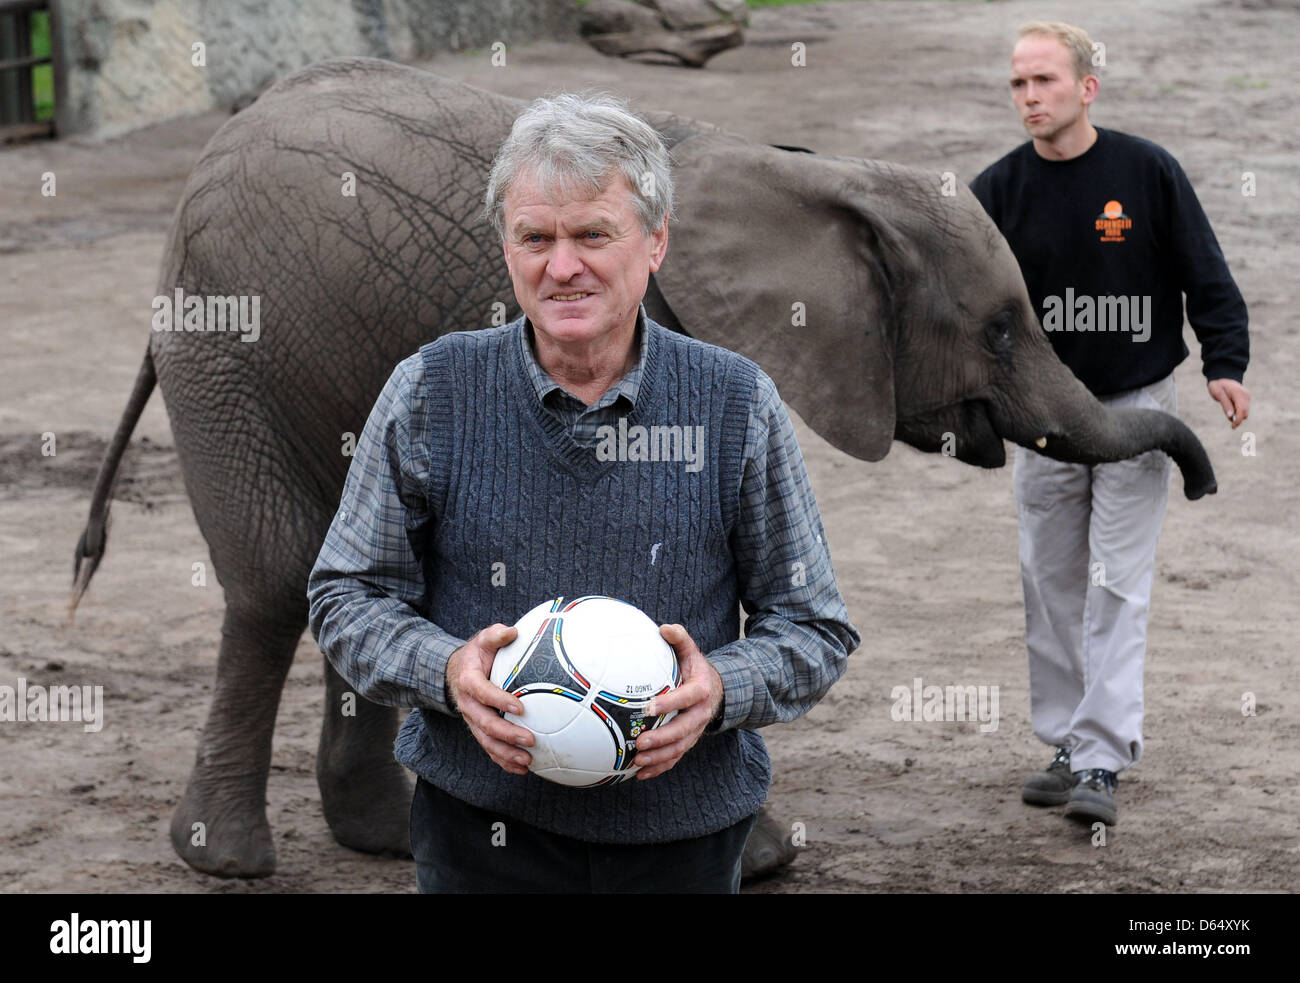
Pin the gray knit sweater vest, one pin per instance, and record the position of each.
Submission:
(508, 486)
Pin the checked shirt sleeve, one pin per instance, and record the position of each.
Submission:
(797, 632)
(367, 582)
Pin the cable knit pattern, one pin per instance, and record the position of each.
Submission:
(510, 486)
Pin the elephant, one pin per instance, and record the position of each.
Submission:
(347, 201)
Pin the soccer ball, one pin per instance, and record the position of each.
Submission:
(584, 671)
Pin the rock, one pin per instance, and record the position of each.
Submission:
(616, 17)
(681, 15)
(692, 31)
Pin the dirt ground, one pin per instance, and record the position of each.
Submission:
(924, 547)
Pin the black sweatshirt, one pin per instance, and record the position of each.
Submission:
(1108, 243)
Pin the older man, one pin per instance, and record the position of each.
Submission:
(477, 490)
(1110, 223)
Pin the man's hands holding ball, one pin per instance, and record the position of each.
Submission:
(472, 693)
(697, 700)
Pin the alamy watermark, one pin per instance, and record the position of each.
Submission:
(213, 312)
(676, 444)
(1085, 313)
(76, 936)
(41, 704)
(948, 703)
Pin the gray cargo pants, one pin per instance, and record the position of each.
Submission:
(1087, 560)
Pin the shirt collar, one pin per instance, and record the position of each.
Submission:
(627, 387)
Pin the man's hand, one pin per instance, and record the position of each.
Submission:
(473, 694)
(1233, 397)
(696, 701)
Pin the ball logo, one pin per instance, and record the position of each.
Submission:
(543, 658)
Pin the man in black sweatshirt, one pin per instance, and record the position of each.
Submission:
(1109, 236)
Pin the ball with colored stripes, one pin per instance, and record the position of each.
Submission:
(584, 671)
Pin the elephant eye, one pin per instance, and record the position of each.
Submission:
(999, 330)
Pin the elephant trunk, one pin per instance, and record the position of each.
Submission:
(1073, 425)
(1117, 434)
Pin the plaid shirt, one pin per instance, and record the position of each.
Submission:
(797, 634)
(583, 421)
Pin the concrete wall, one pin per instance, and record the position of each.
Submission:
(127, 63)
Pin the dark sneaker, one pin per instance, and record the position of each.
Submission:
(1053, 786)
(1093, 799)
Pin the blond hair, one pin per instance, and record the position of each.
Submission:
(1075, 39)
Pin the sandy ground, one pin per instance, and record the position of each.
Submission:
(924, 547)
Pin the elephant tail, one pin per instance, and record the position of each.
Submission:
(90, 548)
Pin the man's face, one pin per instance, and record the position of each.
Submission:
(580, 266)
(1044, 89)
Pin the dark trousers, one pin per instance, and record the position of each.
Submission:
(461, 849)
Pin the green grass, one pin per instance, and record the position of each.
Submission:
(1244, 82)
(42, 75)
(750, 3)
(777, 3)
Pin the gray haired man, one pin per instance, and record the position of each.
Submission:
(482, 450)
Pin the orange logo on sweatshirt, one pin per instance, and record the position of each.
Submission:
(1112, 223)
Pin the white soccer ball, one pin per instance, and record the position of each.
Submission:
(584, 671)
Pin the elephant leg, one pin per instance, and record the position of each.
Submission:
(768, 848)
(220, 825)
(365, 793)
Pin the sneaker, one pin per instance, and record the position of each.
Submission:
(1093, 798)
(1051, 787)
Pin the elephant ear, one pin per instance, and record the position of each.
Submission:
(772, 256)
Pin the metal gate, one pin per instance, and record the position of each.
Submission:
(30, 70)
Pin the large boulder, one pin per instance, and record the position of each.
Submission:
(691, 31)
